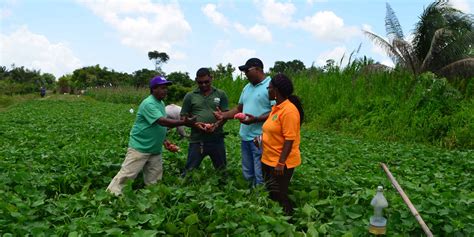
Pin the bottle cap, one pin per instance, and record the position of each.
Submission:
(380, 189)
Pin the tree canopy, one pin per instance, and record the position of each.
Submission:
(442, 43)
(159, 58)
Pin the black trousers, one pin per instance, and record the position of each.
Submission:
(197, 151)
(277, 185)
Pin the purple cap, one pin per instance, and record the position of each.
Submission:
(159, 80)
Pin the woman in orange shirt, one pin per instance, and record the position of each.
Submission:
(281, 140)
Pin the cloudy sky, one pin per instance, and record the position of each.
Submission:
(59, 36)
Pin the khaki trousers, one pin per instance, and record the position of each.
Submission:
(135, 161)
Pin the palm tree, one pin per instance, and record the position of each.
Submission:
(443, 41)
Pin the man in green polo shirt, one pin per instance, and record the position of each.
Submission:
(146, 139)
(207, 136)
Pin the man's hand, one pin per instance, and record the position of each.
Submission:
(249, 119)
(258, 141)
(170, 146)
(205, 127)
(218, 114)
(190, 120)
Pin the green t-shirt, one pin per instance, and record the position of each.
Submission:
(147, 136)
(195, 103)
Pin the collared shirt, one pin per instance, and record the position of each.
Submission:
(147, 136)
(254, 99)
(282, 124)
(195, 103)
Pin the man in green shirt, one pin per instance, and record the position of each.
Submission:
(207, 135)
(146, 139)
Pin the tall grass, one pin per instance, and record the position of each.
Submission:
(133, 95)
(384, 106)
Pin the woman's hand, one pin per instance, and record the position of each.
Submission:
(279, 169)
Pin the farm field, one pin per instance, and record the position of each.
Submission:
(57, 156)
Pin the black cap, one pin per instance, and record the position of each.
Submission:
(253, 62)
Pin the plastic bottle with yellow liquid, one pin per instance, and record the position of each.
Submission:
(378, 223)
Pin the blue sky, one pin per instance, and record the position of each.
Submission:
(59, 36)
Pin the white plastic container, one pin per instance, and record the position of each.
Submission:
(378, 222)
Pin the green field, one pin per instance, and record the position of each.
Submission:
(57, 156)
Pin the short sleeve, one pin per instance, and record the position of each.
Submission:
(151, 113)
(224, 104)
(241, 98)
(186, 109)
(290, 122)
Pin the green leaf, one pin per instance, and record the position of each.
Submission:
(114, 231)
(353, 215)
(145, 233)
(73, 234)
(348, 234)
(191, 219)
(312, 230)
(171, 228)
(448, 228)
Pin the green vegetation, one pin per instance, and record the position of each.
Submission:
(383, 106)
(20, 80)
(58, 153)
(442, 42)
(56, 162)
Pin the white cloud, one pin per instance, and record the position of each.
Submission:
(367, 27)
(311, 2)
(238, 57)
(223, 53)
(325, 25)
(378, 50)
(142, 24)
(34, 51)
(335, 54)
(388, 62)
(462, 5)
(258, 32)
(277, 13)
(210, 10)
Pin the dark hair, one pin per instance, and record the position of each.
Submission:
(285, 86)
(203, 72)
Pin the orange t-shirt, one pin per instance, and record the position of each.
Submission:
(282, 124)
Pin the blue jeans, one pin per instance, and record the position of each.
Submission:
(251, 162)
(198, 150)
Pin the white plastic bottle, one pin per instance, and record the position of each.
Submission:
(378, 223)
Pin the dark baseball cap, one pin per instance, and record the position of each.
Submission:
(159, 80)
(253, 62)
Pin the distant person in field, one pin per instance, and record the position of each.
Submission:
(281, 140)
(207, 135)
(147, 138)
(42, 92)
(172, 112)
(255, 106)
